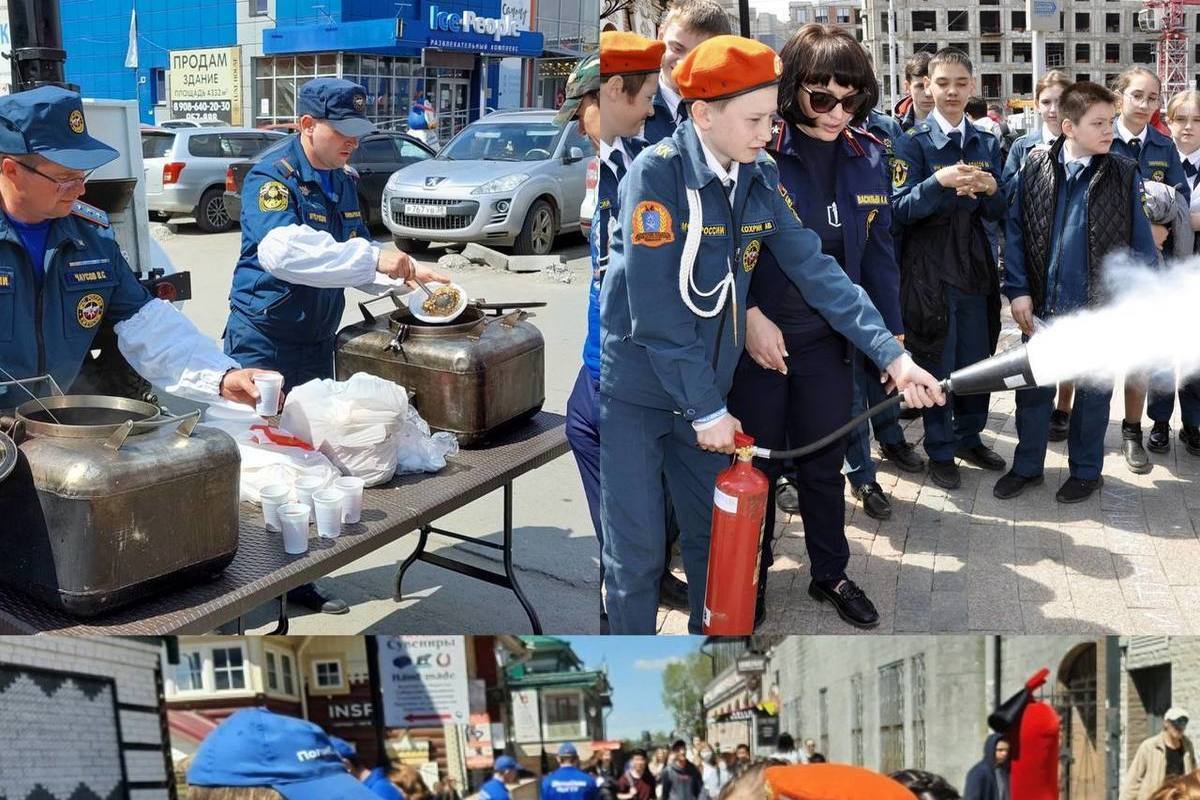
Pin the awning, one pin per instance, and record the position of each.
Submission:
(394, 36)
(767, 708)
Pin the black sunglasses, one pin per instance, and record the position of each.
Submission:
(824, 102)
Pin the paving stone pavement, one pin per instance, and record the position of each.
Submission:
(1126, 560)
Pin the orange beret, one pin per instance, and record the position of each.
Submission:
(831, 782)
(624, 53)
(726, 66)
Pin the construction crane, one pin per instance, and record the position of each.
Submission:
(1166, 18)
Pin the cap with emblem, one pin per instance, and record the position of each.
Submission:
(830, 782)
(48, 121)
(625, 53)
(255, 747)
(583, 79)
(340, 102)
(726, 66)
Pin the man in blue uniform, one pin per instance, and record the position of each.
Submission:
(569, 782)
(304, 242)
(62, 272)
(945, 182)
(504, 775)
(696, 212)
(685, 25)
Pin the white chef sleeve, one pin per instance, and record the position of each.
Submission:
(165, 348)
(309, 257)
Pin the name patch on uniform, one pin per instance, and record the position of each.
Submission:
(352, 214)
(652, 225)
(872, 200)
(766, 226)
(93, 276)
(750, 255)
(707, 230)
(1163, 164)
(90, 310)
(899, 173)
(315, 217)
(5, 281)
(273, 196)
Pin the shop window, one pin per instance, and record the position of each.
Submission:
(924, 21)
(563, 715)
(957, 20)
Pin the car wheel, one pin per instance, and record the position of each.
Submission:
(211, 215)
(537, 234)
(410, 246)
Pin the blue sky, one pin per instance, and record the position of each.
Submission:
(635, 666)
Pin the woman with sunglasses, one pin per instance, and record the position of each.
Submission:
(795, 381)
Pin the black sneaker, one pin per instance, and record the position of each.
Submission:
(787, 499)
(850, 602)
(874, 501)
(904, 456)
(1190, 436)
(1013, 484)
(1131, 446)
(673, 593)
(983, 457)
(945, 474)
(310, 597)
(1159, 440)
(1076, 490)
(1060, 425)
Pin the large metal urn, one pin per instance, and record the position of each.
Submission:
(113, 501)
(471, 377)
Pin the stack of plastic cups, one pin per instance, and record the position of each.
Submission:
(293, 518)
(305, 487)
(352, 489)
(328, 503)
(273, 497)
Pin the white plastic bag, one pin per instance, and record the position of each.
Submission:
(420, 451)
(355, 423)
(269, 455)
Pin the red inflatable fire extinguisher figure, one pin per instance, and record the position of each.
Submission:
(1032, 729)
(739, 505)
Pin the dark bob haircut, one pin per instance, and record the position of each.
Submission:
(814, 56)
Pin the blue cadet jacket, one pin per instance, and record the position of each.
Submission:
(379, 784)
(662, 125)
(1016, 159)
(673, 327)
(1158, 159)
(885, 129)
(268, 314)
(865, 215)
(607, 208)
(921, 152)
(494, 789)
(49, 329)
(569, 783)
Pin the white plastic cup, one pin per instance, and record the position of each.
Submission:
(294, 519)
(274, 496)
(269, 385)
(328, 503)
(304, 490)
(352, 489)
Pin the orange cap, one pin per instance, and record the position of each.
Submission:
(625, 53)
(831, 782)
(726, 66)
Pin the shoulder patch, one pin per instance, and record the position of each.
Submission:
(90, 213)
(652, 225)
(273, 196)
(664, 149)
(899, 172)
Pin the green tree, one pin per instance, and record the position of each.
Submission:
(683, 691)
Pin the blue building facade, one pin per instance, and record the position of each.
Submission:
(466, 56)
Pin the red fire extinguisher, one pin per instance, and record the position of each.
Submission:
(739, 504)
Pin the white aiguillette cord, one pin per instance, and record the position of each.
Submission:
(687, 265)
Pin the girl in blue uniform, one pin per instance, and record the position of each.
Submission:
(794, 383)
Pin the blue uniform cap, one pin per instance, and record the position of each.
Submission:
(567, 749)
(343, 748)
(505, 763)
(48, 121)
(255, 747)
(341, 102)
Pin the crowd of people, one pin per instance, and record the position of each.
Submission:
(772, 255)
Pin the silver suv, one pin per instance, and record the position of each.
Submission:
(512, 178)
(185, 170)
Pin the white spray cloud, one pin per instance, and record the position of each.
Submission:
(1150, 324)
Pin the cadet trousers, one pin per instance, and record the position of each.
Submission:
(638, 447)
(786, 411)
(1162, 400)
(1085, 438)
(868, 391)
(957, 424)
(299, 363)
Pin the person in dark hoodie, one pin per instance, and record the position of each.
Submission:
(988, 780)
(680, 779)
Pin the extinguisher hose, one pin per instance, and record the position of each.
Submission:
(830, 438)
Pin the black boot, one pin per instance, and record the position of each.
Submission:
(1190, 436)
(672, 592)
(904, 456)
(1131, 446)
(1159, 440)
(874, 501)
(310, 597)
(851, 603)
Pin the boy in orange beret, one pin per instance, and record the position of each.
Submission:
(696, 211)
